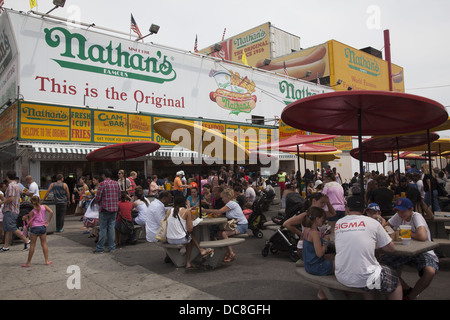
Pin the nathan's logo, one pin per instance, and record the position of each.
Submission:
(292, 93)
(234, 93)
(362, 63)
(44, 115)
(133, 66)
(250, 39)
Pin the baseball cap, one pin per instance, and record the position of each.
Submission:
(373, 206)
(403, 204)
(355, 203)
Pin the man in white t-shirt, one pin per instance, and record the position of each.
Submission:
(156, 213)
(426, 263)
(33, 188)
(250, 193)
(356, 238)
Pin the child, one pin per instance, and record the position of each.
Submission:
(315, 245)
(125, 208)
(37, 224)
(247, 210)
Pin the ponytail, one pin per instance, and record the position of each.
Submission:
(178, 202)
(312, 214)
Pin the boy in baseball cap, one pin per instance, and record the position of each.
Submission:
(426, 263)
(373, 211)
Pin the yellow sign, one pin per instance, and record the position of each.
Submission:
(308, 64)
(140, 126)
(255, 43)
(39, 132)
(356, 69)
(398, 79)
(42, 114)
(80, 125)
(110, 123)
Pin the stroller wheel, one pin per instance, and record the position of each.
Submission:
(265, 251)
(274, 250)
(258, 234)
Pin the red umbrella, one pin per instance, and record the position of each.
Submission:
(123, 151)
(308, 148)
(380, 113)
(296, 140)
(364, 113)
(372, 157)
(389, 143)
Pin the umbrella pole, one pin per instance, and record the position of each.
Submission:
(361, 169)
(398, 159)
(298, 164)
(431, 175)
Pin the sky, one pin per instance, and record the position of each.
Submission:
(418, 29)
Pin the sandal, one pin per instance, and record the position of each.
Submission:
(209, 252)
(229, 258)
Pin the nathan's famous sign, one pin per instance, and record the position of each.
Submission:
(134, 66)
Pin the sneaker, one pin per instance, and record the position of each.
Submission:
(26, 246)
(95, 251)
(4, 250)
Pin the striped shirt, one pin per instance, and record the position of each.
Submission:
(13, 191)
(108, 195)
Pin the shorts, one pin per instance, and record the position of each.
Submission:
(242, 228)
(179, 241)
(389, 280)
(37, 231)
(9, 221)
(420, 261)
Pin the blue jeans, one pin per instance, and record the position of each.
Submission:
(427, 200)
(106, 223)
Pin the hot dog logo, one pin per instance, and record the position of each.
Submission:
(234, 93)
(307, 67)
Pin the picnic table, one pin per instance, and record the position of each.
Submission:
(202, 234)
(437, 225)
(414, 248)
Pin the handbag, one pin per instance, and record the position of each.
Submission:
(230, 225)
(161, 234)
(126, 226)
(92, 210)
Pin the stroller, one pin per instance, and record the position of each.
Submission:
(257, 219)
(294, 205)
(269, 192)
(283, 240)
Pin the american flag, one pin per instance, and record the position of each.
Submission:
(196, 44)
(2, 2)
(134, 27)
(284, 67)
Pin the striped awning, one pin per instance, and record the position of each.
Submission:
(54, 149)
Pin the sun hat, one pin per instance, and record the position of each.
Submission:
(403, 204)
(373, 206)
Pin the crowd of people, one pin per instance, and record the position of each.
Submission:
(358, 224)
(329, 209)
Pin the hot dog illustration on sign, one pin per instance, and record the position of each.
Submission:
(234, 92)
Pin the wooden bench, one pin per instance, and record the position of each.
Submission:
(333, 289)
(444, 246)
(177, 253)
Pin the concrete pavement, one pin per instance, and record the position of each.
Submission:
(137, 272)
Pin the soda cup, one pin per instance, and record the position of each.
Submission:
(405, 234)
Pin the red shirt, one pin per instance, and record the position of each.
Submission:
(108, 195)
(125, 208)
